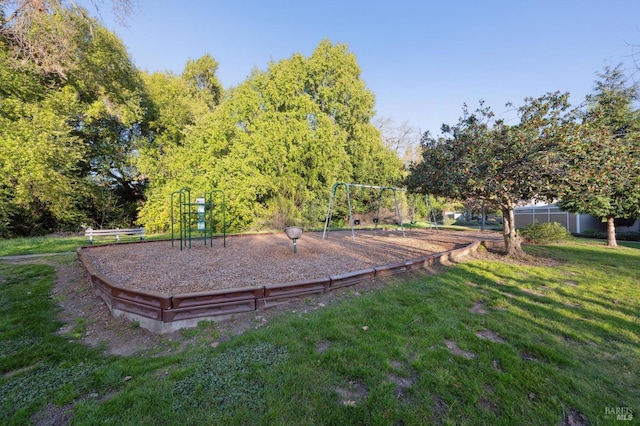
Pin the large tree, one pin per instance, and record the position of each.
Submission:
(403, 138)
(485, 159)
(603, 166)
(179, 104)
(44, 34)
(67, 132)
(276, 144)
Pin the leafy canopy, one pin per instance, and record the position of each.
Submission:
(603, 166)
(485, 159)
(275, 144)
(69, 127)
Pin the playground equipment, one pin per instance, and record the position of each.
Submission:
(376, 220)
(293, 232)
(196, 218)
(430, 215)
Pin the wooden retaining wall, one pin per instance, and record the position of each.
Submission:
(161, 313)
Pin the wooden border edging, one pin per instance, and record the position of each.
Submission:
(162, 313)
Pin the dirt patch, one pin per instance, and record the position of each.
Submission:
(493, 250)
(353, 393)
(53, 415)
(490, 335)
(440, 410)
(478, 308)
(454, 349)
(402, 385)
(575, 418)
(83, 311)
(486, 404)
(322, 347)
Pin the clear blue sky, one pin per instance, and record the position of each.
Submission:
(422, 59)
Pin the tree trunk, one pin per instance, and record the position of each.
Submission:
(512, 241)
(611, 232)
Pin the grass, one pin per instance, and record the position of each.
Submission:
(55, 244)
(552, 340)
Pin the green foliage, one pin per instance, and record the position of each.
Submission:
(200, 76)
(69, 124)
(620, 236)
(40, 367)
(42, 36)
(275, 144)
(545, 233)
(28, 326)
(603, 164)
(87, 140)
(491, 223)
(484, 159)
(39, 162)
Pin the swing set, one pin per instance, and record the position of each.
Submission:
(352, 221)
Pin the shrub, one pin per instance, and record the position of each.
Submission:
(490, 223)
(602, 235)
(544, 233)
(628, 236)
(461, 221)
(448, 221)
(592, 233)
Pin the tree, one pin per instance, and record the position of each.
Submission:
(603, 165)
(38, 163)
(68, 135)
(485, 159)
(200, 76)
(167, 160)
(43, 34)
(403, 139)
(275, 144)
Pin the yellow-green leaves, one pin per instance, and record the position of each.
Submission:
(276, 143)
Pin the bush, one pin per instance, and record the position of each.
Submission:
(461, 221)
(477, 223)
(602, 235)
(448, 221)
(545, 233)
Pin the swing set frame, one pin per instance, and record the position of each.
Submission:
(347, 187)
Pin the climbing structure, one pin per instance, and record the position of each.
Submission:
(196, 219)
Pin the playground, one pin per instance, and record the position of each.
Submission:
(198, 274)
(265, 259)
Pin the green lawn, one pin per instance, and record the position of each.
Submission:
(55, 244)
(484, 343)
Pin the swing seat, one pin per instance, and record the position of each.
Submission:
(356, 221)
(375, 220)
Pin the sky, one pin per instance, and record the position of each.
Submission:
(422, 59)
